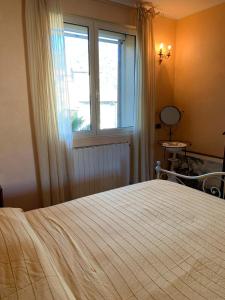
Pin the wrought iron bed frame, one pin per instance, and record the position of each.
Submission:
(213, 190)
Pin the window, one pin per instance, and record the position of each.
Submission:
(100, 71)
(77, 61)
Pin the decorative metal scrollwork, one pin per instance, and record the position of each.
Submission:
(213, 190)
(217, 191)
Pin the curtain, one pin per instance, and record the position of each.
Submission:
(49, 99)
(144, 128)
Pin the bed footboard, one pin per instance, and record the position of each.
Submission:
(214, 190)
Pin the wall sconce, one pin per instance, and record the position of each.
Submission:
(164, 53)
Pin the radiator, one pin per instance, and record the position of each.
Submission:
(101, 168)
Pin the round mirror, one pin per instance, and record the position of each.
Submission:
(170, 115)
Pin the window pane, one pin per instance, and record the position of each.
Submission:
(108, 71)
(77, 60)
(116, 71)
(127, 90)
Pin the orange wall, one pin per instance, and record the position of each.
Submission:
(200, 80)
(165, 32)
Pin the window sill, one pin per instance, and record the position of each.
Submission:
(101, 139)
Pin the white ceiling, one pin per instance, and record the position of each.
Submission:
(178, 9)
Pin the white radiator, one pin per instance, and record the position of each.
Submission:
(101, 168)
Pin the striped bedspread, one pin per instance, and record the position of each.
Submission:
(154, 240)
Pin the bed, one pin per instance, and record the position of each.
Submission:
(152, 240)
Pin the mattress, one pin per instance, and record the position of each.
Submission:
(153, 240)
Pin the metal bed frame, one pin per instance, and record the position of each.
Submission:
(213, 190)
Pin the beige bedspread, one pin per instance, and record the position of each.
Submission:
(154, 240)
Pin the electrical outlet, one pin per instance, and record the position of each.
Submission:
(158, 126)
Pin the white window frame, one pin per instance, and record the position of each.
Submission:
(96, 135)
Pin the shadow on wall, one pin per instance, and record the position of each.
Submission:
(165, 96)
(165, 86)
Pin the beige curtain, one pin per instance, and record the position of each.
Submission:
(144, 133)
(50, 106)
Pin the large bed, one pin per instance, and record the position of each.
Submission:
(153, 240)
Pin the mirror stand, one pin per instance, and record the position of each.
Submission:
(170, 116)
(170, 134)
